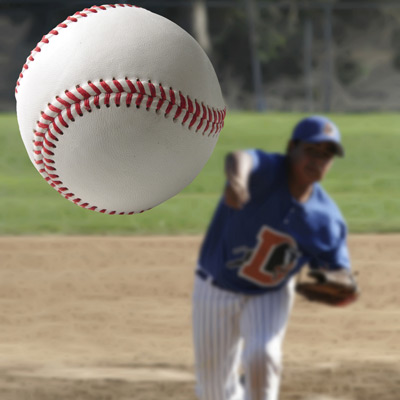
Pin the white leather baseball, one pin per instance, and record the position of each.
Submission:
(119, 108)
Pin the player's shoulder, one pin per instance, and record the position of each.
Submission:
(322, 198)
(263, 159)
(325, 215)
(323, 202)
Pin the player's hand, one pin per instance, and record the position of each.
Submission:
(237, 169)
(236, 195)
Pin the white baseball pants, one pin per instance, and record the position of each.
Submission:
(230, 329)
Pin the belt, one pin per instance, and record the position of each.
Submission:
(207, 277)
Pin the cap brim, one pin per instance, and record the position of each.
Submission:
(339, 149)
(338, 146)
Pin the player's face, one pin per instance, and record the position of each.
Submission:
(311, 161)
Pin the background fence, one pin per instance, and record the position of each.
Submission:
(341, 56)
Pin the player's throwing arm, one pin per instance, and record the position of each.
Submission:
(238, 166)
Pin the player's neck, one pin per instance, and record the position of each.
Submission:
(301, 194)
(300, 191)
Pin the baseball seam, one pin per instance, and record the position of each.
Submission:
(72, 104)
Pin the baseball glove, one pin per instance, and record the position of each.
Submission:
(335, 288)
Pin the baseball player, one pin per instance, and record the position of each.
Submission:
(273, 218)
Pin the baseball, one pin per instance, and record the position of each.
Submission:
(118, 108)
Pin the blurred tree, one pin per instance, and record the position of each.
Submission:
(200, 25)
(279, 41)
(365, 45)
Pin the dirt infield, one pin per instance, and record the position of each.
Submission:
(106, 318)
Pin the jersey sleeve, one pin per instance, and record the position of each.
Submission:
(336, 255)
(262, 173)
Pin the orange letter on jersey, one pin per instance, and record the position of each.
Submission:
(262, 269)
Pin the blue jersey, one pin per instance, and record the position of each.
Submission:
(258, 248)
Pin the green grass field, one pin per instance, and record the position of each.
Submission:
(365, 184)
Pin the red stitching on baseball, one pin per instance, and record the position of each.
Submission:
(149, 102)
(64, 108)
(86, 104)
(159, 104)
(105, 86)
(197, 113)
(206, 128)
(107, 99)
(38, 134)
(204, 116)
(94, 88)
(186, 117)
(192, 121)
(49, 143)
(139, 100)
(82, 92)
(96, 101)
(48, 152)
(199, 126)
(129, 99)
(183, 100)
(71, 96)
(162, 92)
(178, 113)
(52, 108)
(169, 108)
(118, 85)
(118, 99)
(78, 109)
(62, 101)
(190, 105)
(46, 117)
(69, 114)
(41, 125)
(131, 85)
(172, 96)
(152, 89)
(57, 129)
(142, 90)
(62, 122)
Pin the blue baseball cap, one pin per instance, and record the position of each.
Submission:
(317, 129)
